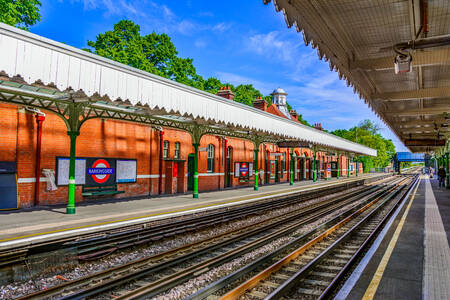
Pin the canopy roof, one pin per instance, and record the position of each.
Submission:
(357, 37)
(112, 86)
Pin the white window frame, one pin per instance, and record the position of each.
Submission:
(210, 158)
(177, 150)
(166, 147)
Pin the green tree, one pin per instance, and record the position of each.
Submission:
(303, 121)
(154, 53)
(367, 133)
(245, 93)
(20, 13)
(212, 85)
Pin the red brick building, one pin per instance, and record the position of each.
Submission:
(135, 133)
(125, 140)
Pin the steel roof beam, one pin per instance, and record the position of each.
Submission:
(434, 57)
(439, 92)
(417, 112)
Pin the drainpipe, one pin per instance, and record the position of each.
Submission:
(161, 146)
(225, 157)
(40, 118)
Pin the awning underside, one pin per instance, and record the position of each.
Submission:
(357, 38)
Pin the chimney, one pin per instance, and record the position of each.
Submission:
(318, 126)
(225, 92)
(260, 103)
(294, 114)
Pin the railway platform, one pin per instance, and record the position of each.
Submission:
(411, 257)
(30, 226)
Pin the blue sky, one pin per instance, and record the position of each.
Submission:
(236, 41)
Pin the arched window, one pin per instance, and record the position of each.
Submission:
(177, 150)
(210, 158)
(166, 149)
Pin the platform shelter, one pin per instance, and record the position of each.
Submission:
(77, 86)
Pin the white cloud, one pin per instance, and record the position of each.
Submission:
(113, 7)
(273, 45)
(206, 14)
(200, 43)
(236, 79)
(221, 27)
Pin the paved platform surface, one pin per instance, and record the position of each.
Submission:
(26, 223)
(412, 260)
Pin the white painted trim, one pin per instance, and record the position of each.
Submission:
(31, 180)
(142, 176)
(210, 174)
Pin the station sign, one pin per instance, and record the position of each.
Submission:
(244, 170)
(100, 171)
(294, 144)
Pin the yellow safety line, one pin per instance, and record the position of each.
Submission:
(161, 213)
(374, 283)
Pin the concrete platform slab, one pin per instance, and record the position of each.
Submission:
(412, 260)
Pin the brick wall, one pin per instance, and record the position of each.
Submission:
(115, 139)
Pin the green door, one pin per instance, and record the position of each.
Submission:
(228, 175)
(190, 182)
(277, 167)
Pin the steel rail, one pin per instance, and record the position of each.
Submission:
(305, 211)
(326, 293)
(255, 280)
(97, 245)
(302, 273)
(152, 289)
(229, 279)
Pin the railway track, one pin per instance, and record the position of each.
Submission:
(97, 245)
(162, 271)
(314, 269)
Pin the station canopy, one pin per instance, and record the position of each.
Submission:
(41, 73)
(361, 39)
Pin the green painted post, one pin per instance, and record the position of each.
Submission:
(71, 202)
(356, 166)
(314, 166)
(196, 145)
(337, 166)
(255, 162)
(291, 166)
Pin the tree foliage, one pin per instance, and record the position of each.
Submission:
(155, 53)
(367, 133)
(20, 13)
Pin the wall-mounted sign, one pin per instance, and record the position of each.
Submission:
(202, 149)
(243, 171)
(294, 144)
(100, 171)
(97, 171)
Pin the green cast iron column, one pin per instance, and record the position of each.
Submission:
(337, 166)
(291, 181)
(196, 145)
(255, 162)
(356, 165)
(71, 202)
(314, 166)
